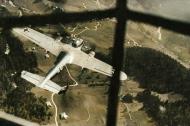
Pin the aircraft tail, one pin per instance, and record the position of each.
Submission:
(37, 79)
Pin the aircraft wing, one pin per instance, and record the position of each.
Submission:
(86, 61)
(36, 80)
(40, 39)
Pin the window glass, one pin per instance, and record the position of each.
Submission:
(174, 9)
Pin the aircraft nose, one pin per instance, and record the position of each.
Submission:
(123, 76)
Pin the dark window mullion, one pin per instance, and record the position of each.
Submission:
(118, 52)
(64, 18)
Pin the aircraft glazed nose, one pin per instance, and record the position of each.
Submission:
(123, 76)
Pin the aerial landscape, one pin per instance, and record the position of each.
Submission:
(59, 75)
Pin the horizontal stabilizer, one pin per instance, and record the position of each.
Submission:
(36, 80)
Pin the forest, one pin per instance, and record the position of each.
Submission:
(158, 72)
(16, 97)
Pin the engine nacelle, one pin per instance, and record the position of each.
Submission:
(92, 54)
(77, 42)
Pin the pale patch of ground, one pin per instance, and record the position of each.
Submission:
(169, 97)
(85, 106)
(131, 111)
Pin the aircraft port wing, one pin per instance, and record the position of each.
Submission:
(36, 80)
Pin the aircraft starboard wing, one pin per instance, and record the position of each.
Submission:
(40, 39)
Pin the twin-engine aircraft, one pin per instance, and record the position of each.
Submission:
(70, 54)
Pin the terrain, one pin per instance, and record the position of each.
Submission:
(156, 60)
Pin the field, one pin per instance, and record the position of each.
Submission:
(86, 105)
